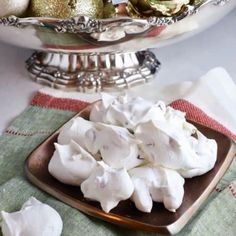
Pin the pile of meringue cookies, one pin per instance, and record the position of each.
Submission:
(92, 8)
(131, 148)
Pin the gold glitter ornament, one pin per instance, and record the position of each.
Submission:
(66, 8)
(146, 8)
(13, 7)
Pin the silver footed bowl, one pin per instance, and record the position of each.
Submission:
(91, 55)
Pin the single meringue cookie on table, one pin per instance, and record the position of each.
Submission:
(108, 186)
(71, 164)
(168, 145)
(13, 7)
(154, 183)
(34, 219)
(75, 129)
(126, 111)
(117, 146)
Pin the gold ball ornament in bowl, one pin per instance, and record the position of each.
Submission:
(146, 8)
(66, 8)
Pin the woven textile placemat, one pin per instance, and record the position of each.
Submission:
(44, 116)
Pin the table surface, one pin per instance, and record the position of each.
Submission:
(185, 60)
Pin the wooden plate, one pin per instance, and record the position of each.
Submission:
(159, 220)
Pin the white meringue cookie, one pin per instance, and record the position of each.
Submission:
(75, 129)
(34, 219)
(99, 108)
(168, 146)
(153, 183)
(117, 146)
(134, 111)
(71, 164)
(91, 142)
(108, 186)
(206, 150)
(177, 119)
(126, 111)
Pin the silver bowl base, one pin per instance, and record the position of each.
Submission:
(93, 72)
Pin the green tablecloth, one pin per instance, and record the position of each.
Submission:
(35, 124)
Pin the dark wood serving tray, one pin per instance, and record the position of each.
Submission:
(159, 220)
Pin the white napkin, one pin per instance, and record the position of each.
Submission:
(214, 93)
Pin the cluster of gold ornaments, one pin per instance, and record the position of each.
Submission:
(92, 8)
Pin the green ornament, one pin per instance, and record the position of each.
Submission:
(109, 9)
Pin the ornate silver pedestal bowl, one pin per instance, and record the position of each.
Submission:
(91, 55)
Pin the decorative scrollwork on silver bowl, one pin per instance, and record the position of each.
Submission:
(86, 72)
(70, 43)
(221, 2)
(80, 24)
(10, 21)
